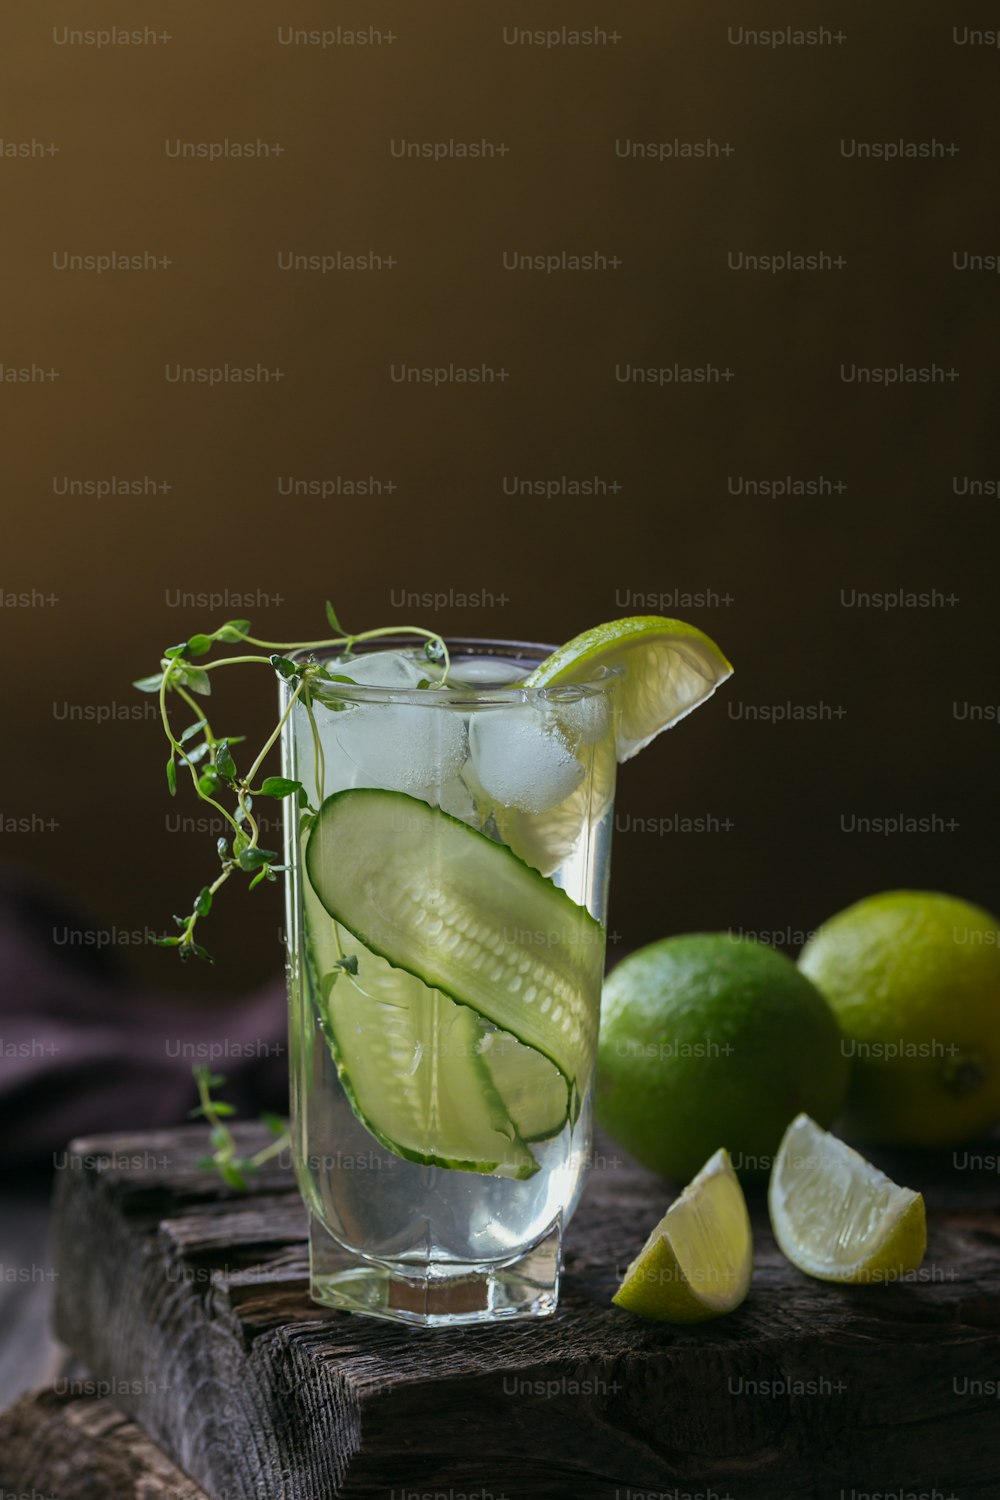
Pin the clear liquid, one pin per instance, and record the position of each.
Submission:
(378, 1205)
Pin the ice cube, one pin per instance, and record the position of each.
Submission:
(486, 671)
(403, 747)
(520, 760)
(414, 748)
(383, 669)
(454, 797)
(584, 719)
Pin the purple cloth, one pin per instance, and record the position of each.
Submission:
(81, 1051)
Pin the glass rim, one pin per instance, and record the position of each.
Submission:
(466, 695)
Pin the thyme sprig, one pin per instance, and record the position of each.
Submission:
(225, 1158)
(208, 757)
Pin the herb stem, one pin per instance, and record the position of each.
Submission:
(281, 1143)
(197, 708)
(275, 735)
(235, 661)
(318, 753)
(345, 640)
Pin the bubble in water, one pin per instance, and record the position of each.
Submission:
(519, 761)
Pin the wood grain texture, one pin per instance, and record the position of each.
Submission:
(81, 1447)
(194, 1300)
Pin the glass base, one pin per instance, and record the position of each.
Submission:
(442, 1294)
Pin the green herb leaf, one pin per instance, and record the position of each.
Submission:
(346, 965)
(335, 705)
(232, 1176)
(172, 652)
(172, 776)
(233, 630)
(195, 678)
(279, 786)
(275, 1124)
(205, 1075)
(187, 949)
(331, 615)
(262, 874)
(203, 902)
(149, 684)
(199, 645)
(208, 782)
(284, 668)
(240, 843)
(224, 763)
(253, 858)
(244, 809)
(190, 732)
(167, 942)
(192, 757)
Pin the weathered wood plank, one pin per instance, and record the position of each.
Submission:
(60, 1446)
(195, 1302)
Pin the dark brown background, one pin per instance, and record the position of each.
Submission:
(777, 566)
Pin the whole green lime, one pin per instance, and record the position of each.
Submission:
(713, 1040)
(914, 979)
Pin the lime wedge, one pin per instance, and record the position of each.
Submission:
(698, 1260)
(669, 667)
(836, 1216)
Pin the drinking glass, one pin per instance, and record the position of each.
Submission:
(444, 1013)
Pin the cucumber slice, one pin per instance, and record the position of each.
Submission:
(464, 914)
(532, 1089)
(409, 1061)
(397, 1098)
(438, 1107)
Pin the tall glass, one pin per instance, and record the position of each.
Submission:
(441, 1154)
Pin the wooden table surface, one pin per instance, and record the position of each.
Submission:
(190, 1303)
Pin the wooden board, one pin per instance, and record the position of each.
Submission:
(193, 1300)
(60, 1446)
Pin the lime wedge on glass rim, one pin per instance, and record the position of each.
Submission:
(698, 1261)
(837, 1217)
(669, 669)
